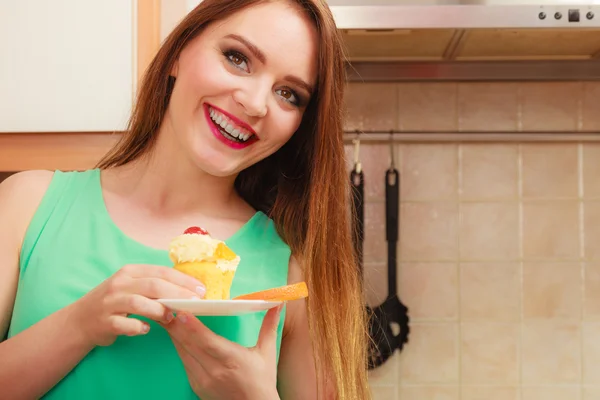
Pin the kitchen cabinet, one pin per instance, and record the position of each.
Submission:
(67, 65)
(68, 75)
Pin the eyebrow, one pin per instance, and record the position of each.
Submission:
(263, 59)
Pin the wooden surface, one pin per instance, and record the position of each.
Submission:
(79, 150)
(148, 33)
(65, 151)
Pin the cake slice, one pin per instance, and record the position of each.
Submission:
(207, 259)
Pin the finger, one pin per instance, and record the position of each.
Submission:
(267, 338)
(140, 305)
(156, 288)
(168, 274)
(128, 326)
(200, 341)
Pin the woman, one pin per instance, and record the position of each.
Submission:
(237, 128)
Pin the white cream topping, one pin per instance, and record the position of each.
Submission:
(228, 125)
(192, 247)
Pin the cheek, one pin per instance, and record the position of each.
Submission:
(285, 125)
(207, 77)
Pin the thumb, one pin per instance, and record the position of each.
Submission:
(267, 338)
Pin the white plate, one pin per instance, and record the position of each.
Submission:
(219, 307)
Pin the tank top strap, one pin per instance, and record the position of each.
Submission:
(64, 189)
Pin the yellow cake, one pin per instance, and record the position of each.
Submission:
(207, 259)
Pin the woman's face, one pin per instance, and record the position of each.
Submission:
(242, 87)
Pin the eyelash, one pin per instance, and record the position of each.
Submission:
(230, 54)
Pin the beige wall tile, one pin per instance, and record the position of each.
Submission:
(489, 353)
(591, 353)
(591, 393)
(551, 353)
(349, 155)
(487, 106)
(429, 393)
(489, 231)
(552, 290)
(371, 106)
(490, 292)
(431, 356)
(551, 393)
(430, 290)
(591, 168)
(489, 172)
(429, 232)
(375, 162)
(427, 106)
(550, 170)
(489, 393)
(591, 223)
(591, 106)
(551, 230)
(592, 292)
(387, 373)
(429, 172)
(375, 246)
(384, 393)
(375, 283)
(550, 106)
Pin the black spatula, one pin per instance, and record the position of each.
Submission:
(391, 313)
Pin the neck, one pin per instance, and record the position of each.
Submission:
(166, 181)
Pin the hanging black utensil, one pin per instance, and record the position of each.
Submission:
(357, 183)
(391, 313)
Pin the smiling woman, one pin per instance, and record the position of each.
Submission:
(237, 128)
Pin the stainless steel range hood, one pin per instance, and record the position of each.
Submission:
(470, 39)
(391, 40)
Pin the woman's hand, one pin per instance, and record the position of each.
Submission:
(102, 314)
(219, 369)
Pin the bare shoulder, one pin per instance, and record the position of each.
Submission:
(23, 185)
(20, 196)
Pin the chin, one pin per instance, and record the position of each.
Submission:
(218, 167)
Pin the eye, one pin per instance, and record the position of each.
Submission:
(237, 59)
(289, 95)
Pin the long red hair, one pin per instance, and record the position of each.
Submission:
(303, 187)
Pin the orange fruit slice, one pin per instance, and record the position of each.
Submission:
(283, 293)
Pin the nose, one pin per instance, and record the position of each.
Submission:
(253, 99)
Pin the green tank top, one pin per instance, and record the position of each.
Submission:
(72, 245)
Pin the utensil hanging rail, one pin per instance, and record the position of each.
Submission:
(403, 136)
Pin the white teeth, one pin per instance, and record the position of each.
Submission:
(224, 123)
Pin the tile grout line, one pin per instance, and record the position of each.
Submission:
(459, 185)
(581, 192)
(521, 255)
(398, 165)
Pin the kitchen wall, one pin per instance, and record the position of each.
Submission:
(499, 254)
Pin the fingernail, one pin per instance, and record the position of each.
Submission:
(169, 316)
(145, 328)
(182, 318)
(201, 290)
